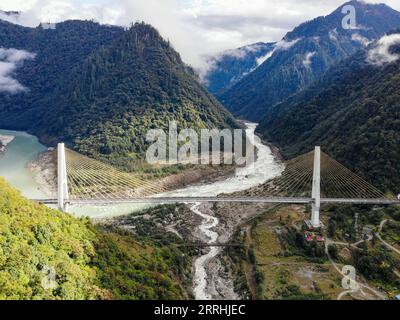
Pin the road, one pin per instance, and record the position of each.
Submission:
(362, 285)
(165, 200)
(378, 235)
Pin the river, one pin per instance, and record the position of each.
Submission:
(25, 148)
(13, 163)
(263, 169)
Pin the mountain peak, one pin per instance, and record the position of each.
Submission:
(371, 19)
(230, 66)
(305, 54)
(145, 29)
(364, 4)
(127, 81)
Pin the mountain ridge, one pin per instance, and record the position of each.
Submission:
(103, 106)
(49, 255)
(319, 44)
(352, 112)
(227, 68)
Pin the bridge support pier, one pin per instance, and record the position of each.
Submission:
(316, 189)
(62, 181)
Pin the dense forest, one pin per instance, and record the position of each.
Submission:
(104, 96)
(305, 54)
(46, 254)
(353, 113)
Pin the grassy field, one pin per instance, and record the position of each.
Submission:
(274, 273)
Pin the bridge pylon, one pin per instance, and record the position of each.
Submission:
(316, 189)
(62, 180)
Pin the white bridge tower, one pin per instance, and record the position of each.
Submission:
(62, 181)
(316, 189)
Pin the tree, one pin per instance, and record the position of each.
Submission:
(332, 228)
(333, 251)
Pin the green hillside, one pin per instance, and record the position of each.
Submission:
(104, 104)
(89, 262)
(57, 52)
(353, 113)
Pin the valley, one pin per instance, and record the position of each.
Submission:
(85, 214)
(304, 55)
(206, 281)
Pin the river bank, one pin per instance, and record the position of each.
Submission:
(202, 222)
(45, 171)
(4, 141)
(213, 223)
(211, 280)
(23, 149)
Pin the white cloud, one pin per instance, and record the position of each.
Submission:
(380, 54)
(333, 34)
(239, 53)
(196, 28)
(307, 58)
(262, 59)
(285, 45)
(10, 59)
(359, 38)
(279, 46)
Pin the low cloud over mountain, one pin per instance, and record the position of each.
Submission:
(381, 53)
(10, 59)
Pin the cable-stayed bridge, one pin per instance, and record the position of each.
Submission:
(313, 178)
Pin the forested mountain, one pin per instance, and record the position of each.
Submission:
(100, 88)
(227, 68)
(9, 13)
(57, 51)
(46, 254)
(353, 112)
(304, 55)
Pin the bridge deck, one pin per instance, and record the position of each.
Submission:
(174, 200)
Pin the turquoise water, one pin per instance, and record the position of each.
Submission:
(13, 167)
(25, 148)
(13, 163)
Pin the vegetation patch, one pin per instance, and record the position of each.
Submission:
(89, 262)
(276, 266)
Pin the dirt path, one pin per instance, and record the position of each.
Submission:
(250, 271)
(361, 285)
(378, 235)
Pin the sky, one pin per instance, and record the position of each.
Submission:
(196, 28)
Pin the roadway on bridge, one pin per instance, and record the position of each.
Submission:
(174, 200)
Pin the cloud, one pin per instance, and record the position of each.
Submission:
(9, 16)
(239, 53)
(381, 54)
(242, 52)
(10, 59)
(264, 58)
(279, 46)
(333, 34)
(359, 38)
(307, 58)
(196, 28)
